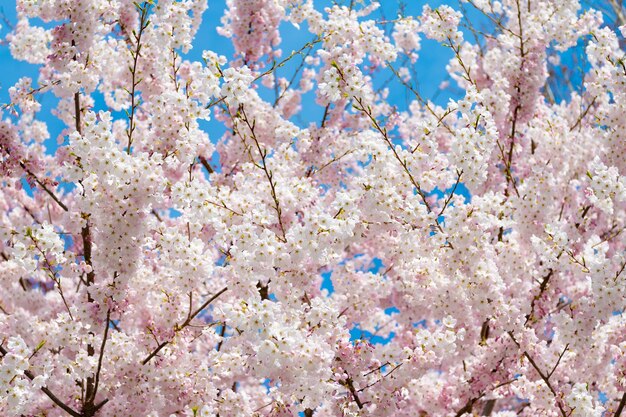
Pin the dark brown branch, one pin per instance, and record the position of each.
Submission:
(206, 165)
(509, 160)
(184, 324)
(323, 122)
(77, 112)
(378, 368)
(619, 272)
(383, 377)
(583, 114)
(222, 333)
(41, 184)
(467, 408)
(621, 406)
(90, 394)
(484, 332)
(348, 383)
(90, 401)
(582, 216)
(488, 409)
(85, 233)
(154, 352)
(543, 377)
(155, 214)
(89, 409)
(263, 290)
(542, 288)
(76, 98)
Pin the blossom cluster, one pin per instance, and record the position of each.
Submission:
(328, 250)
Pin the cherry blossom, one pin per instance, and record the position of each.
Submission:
(323, 248)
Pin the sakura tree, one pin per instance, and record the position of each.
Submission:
(149, 269)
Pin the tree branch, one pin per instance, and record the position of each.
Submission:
(545, 378)
(46, 391)
(90, 401)
(268, 173)
(348, 383)
(542, 288)
(621, 406)
(180, 327)
(143, 24)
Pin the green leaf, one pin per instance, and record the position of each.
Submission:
(40, 345)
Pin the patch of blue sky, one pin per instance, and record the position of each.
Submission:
(357, 333)
(375, 267)
(422, 323)
(26, 186)
(327, 282)
(67, 239)
(173, 213)
(392, 310)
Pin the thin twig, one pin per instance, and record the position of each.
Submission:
(403, 163)
(558, 361)
(545, 378)
(143, 24)
(178, 328)
(101, 357)
(273, 68)
(267, 171)
(456, 184)
(542, 288)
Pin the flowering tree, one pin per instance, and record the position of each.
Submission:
(150, 270)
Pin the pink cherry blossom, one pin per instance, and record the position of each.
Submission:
(328, 250)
